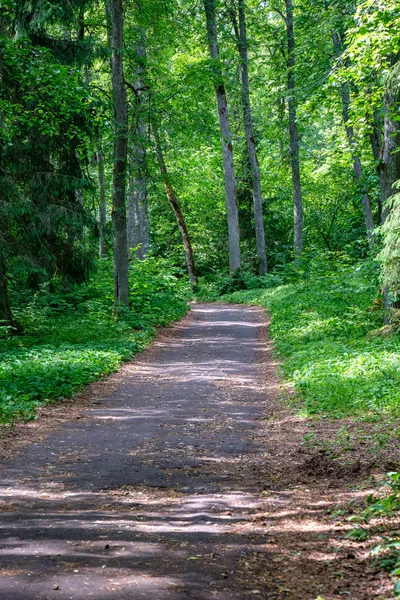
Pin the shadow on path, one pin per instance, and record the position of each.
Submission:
(152, 494)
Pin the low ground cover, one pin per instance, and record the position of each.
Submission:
(327, 330)
(72, 339)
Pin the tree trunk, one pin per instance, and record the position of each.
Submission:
(366, 204)
(390, 164)
(294, 138)
(120, 155)
(226, 141)
(173, 200)
(241, 34)
(102, 202)
(6, 317)
(377, 149)
(390, 169)
(138, 226)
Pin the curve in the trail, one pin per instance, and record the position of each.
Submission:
(151, 494)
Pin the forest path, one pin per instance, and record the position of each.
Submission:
(153, 493)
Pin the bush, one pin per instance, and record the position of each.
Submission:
(238, 280)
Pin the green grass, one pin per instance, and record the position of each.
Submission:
(325, 333)
(73, 339)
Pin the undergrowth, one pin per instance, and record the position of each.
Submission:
(327, 328)
(72, 339)
(379, 521)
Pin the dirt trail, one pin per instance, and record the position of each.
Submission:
(165, 490)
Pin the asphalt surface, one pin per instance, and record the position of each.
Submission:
(151, 494)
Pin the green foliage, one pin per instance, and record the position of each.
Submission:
(385, 505)
(238, 280)
(72, 339)
(373, 43)
(326, 329)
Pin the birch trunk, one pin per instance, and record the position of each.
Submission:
(102, 202)
(293, 133)
(366, 204)
(226, 141)
(250, 142)
(174, 203)
(138, 226)
(120, 155)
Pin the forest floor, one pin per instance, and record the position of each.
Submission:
(185, 475)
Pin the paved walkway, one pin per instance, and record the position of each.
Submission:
(151, 494)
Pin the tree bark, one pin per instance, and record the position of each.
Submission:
(366, 204)
(174, 203)
(138, 226)
(377, 149)
(390, 168)
(390, 163)
(226, 141)
(102, 202)
(6, 317)
(293, 133)
(121, 292)
(241, 35)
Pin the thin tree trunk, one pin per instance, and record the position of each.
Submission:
(121, 292)
(390, 171)
(174, 203)
(138, 226)
(6, 317)
(366, 204)
(226, 141)
(293, 133)
(137, 223)
(390, 164)
(241, 35)
(102, 202)
(377, 149)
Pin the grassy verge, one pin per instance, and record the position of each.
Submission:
(325, 330)
(72, 339)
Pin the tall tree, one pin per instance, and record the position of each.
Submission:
(293, 133)
(138, 221)
(241, 36)
(226, 140)
(121, 289)
(376, 138)
(389, 176)
(390, 167)
(357, 167)
(174, 203)
(102, 201)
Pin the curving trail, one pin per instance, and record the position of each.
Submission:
(152, 494)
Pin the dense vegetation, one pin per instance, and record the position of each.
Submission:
(327, 328)
(72, 339)
(110, 147)
(118, 174)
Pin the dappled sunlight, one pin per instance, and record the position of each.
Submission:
(136, 538)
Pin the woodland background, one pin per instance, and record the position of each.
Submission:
(111, 175)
